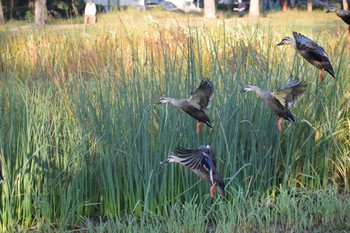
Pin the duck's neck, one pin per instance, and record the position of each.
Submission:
(178, 102)
(262, 93)
(173, 101)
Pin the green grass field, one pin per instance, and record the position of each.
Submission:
(81, 139)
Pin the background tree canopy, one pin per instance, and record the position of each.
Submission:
(19, 9)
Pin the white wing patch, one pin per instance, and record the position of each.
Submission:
(324, 54)
(210, 170)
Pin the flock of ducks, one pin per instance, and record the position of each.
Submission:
(202, 160)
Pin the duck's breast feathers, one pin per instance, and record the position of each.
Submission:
(281, 110)
(200, 98)
(197, 114)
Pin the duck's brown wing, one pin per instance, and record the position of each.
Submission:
(304, 43)
(200, 98)
(287, 93)
(194, 158)
(313, 53)
(202, 162)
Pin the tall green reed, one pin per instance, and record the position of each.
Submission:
(81, 134)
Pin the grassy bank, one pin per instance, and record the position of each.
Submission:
(81, 140)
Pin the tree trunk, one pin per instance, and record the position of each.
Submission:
(75, 9)
(209, 9)
(309, 5)
(40, 16)
(2, 19)
(254, 8)
(12, 3)
(345, 5)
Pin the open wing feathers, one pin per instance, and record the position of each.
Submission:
(287, 93)
(290, 83)
(302, 42)
(193, 158)
(310, 48)
(201, 96)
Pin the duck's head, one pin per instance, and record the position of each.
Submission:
(286, 40)
(331, 9)
(248, 88)
(163, 100)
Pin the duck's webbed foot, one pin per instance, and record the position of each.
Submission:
(280, 124)
(321, 76)
(212, 190)
(198, 127)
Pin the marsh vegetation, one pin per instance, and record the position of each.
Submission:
(81, 139)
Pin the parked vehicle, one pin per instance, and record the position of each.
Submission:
(162, 5)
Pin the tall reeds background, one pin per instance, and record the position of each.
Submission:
(81, 138)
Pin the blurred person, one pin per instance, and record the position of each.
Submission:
(90, 13)
(240, 8)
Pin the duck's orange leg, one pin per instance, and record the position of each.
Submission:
(212, 190)
(198, 127)
(321, 76)
(280, 124)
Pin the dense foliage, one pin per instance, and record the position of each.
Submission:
(20, 9)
